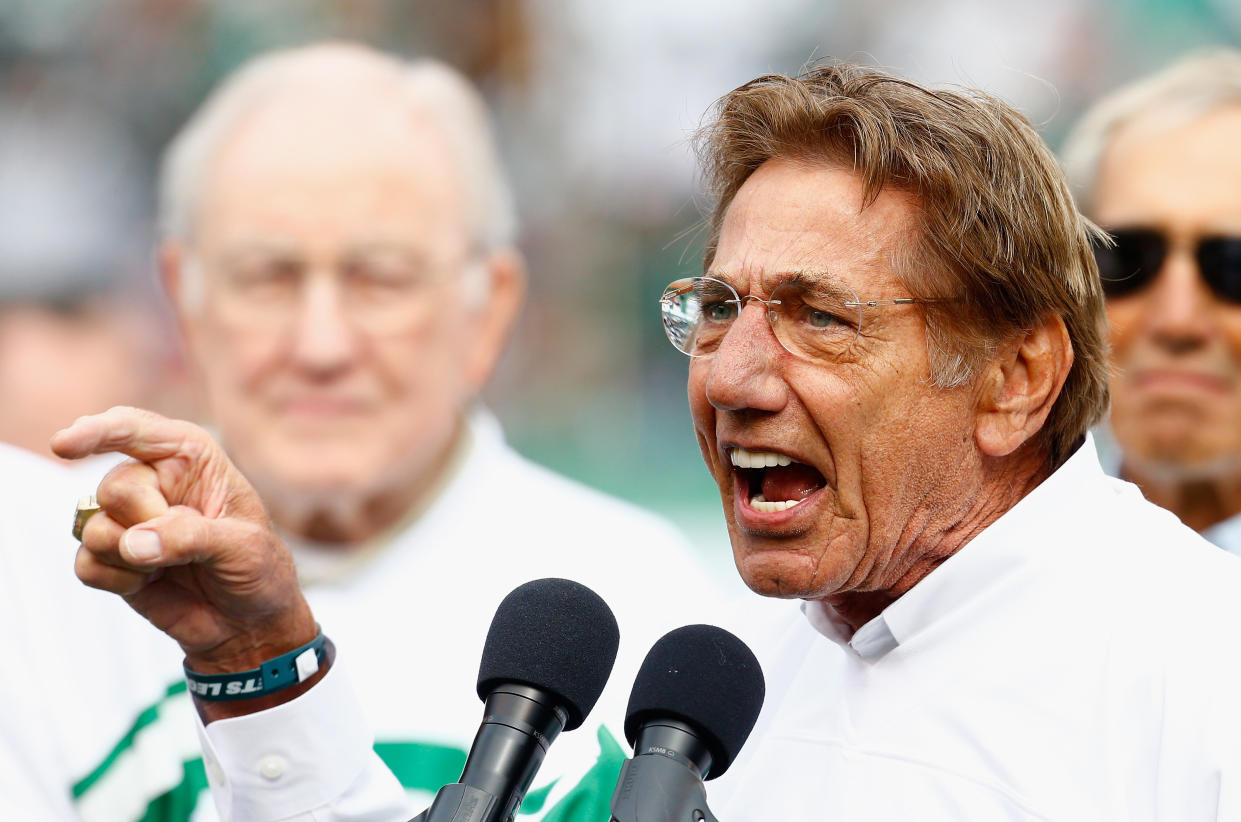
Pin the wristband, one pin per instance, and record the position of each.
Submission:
(273, 675)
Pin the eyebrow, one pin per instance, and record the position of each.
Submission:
(277, 249)
(250, 249)
(818, 283)
(815, 282)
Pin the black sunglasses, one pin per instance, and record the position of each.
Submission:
(1139, 253)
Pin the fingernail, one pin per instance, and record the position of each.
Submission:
(142, 546)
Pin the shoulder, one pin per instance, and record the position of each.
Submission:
(1150, 550)
(1166, 599)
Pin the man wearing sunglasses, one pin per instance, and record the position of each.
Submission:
(1157, 164)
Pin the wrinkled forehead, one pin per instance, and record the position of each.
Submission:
(821, 283)
(813, 223)
(295, 173)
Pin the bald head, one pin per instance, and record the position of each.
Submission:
(334, 88)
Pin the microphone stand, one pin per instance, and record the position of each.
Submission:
(663, 781)
(519, 723)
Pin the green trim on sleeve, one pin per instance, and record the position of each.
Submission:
(147, 717)
(420, 766)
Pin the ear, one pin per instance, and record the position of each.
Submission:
(493, 320)
(171, 261)
(1020, 386)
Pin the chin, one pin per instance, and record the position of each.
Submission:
(314, 472)
(781, 575)
(1175, 444)
(1179, 463)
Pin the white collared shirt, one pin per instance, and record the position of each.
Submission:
(409, 625)
(1078, 660)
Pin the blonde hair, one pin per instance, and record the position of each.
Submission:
(999, 240)
(1182, 91)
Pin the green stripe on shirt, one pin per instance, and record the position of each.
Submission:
(417, 766)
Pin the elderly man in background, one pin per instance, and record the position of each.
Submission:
(896, 354)
(1157, 165)
(338, 246)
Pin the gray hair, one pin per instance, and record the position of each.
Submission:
(1180, 92)
(440, 92)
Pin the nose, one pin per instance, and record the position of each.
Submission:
(744, 373)
(1180, 308)
(325, 341)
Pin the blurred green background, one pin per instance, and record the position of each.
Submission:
(595, 105)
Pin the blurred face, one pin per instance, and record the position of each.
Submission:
(63, 365)
(1176, 393)
(335, 345)
(863, 460)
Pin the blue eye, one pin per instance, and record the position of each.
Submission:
(819, 319)
(721, 311)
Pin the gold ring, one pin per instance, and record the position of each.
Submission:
(88, 506)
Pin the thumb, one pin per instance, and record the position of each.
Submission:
(237, 552)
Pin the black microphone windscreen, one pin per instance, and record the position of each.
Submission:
(556, 635)
(706, 677)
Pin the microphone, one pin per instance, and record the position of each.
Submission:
(694, 702)
(548, 654)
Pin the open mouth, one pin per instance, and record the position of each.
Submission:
(773, 481)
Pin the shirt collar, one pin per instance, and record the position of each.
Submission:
(319, 562)
(1000, 550)
(1226, 534)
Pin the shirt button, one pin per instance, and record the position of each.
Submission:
(272, 767)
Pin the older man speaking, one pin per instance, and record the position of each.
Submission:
(339, 248)
(896, 355)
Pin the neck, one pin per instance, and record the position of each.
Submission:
(1199, 500)
(344, 520)
(925, 545)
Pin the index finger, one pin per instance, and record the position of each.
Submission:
(143, 435)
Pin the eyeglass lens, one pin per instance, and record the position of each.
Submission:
(1139, 254)
(381, 291)
(813, 322)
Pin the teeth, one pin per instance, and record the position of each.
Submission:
(742, 458)
(758, 503)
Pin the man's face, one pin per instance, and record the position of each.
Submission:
(880, 458)
(1176, 347)
(333, 338)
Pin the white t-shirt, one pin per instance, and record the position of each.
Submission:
(1078, 660)
(79, 665)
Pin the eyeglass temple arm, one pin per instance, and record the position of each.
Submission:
(873, 303)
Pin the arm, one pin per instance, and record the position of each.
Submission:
(183, 538)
